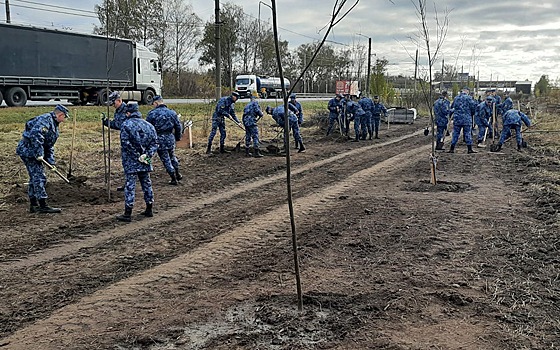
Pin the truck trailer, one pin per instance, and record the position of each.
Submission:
(40, 64)
(250, 84)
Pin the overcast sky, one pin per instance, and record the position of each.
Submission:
(499, 39)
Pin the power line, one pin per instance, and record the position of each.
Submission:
(56, 6)
(296, 33)
(55, 11)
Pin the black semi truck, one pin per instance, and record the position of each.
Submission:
(41, 64)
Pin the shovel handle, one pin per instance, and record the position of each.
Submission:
(56, 171)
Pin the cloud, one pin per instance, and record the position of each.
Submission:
(505, 37)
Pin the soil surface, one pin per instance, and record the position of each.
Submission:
(387, 260)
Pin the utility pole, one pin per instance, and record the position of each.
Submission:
(8, 20)
(368, 67)
(218, 53)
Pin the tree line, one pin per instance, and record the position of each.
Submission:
(179, 36)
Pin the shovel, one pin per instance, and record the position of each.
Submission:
(56, 171)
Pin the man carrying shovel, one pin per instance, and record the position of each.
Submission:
(37, 147)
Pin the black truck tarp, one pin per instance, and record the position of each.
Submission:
(28, 52)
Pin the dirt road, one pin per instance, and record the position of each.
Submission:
(387, 259)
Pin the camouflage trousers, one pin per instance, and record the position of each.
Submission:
(252, 132)
(37, 178)
(130, 188)
(218, 123)
(169, 160)
(467, 134)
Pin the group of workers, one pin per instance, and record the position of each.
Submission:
(365, 112)
(140, 140)
(467, 112)
(252, 113)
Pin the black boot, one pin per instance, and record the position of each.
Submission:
(518, 147)
(149, 210)
(209, 149)
(44, 208)
(451, 149)
(356, 139)
(173, 180)
(376, 135)
(127, 216)
(257, 153)
(223, 149)
(247, 152)
(33, 205)
(496, 148)
(301, 147)
(439, 146)
(296, 144)
(470, 149)
(178, 174)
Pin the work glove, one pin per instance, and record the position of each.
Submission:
(53, 168)
(105, 121)
(39, 158)
(144, 159)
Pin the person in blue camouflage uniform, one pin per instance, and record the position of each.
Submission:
(169, 130)
(442, 111)
(335, 108)
(298, 110)
(297, 105)
(367, 105)
(251, 115)
(139, 143)
(278, 115)
(378, 108)
(482, 118)
(497, 100)
(512, 120)
(119, 116)
(35, 147)
(357, 114)
(463, 110)
(224, 109)
(507, 104)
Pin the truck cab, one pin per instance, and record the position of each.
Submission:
(246, 85)
(148, 74)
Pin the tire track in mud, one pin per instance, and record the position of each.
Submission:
(72, 247)
(162, 288)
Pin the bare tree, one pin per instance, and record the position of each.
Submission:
(337, 16)
(432, 47)
(185, 32)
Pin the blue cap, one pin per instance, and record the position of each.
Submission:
(113, 97)
(132, 107)
(62, 109)
(466, 88)
(293, 96)
(236, 94)
(157, 98)
(490, 98)
(268, 109)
